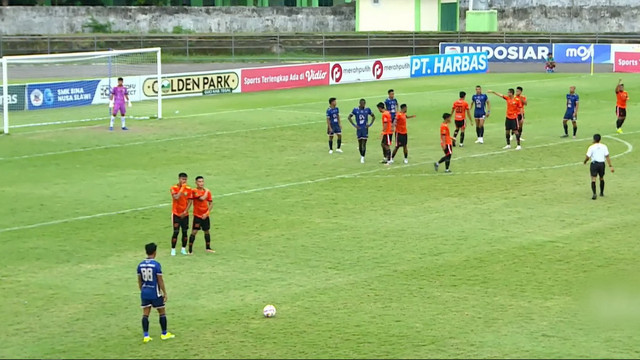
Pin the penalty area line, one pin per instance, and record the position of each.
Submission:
(314, 181)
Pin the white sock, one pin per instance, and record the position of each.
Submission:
(122, 119)
(113, 118)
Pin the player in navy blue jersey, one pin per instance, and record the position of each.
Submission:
(334, 127)
(362, 125)
(152, 292)
(391, 104)
(481, 110)
(571, 112)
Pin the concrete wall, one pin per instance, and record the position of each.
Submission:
(387, 15)
(34, 20)
(398, 15)
(563, 15)
(430, 17)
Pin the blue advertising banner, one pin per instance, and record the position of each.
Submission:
(516, 53)
(451, 64)
(61, 94)
(581, 53)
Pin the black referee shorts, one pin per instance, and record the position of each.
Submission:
(597, 169)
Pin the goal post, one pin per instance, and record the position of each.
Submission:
(68, 88)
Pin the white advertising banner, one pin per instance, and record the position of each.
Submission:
(345, 72)
(103, 91)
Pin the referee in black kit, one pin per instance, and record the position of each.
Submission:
(597, 153)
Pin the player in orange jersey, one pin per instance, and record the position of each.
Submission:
(387, 134)
(181, 195)
(446, 143)
(461, 112)
(202, 204)
(523, 100)
(401, 132)
(514, 109)
(621, 105)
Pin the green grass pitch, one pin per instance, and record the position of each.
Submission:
(506, 257)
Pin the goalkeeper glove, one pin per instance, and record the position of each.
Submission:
(111, 104)
(129, 103)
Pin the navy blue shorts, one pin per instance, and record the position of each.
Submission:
(334, 130)
(362, 133)
(568, 115)
(479, 115)
(156, 303)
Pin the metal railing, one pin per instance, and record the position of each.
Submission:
(284, 47)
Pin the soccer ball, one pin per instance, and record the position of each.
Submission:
(269, 311)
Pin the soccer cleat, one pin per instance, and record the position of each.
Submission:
(435, 166)
(110, 128)
(594, 197)
(383, 161)
(146, 339)
(167, 336)
(518, 147)
(564, 136)
(406, 161)
(390, 161)
(210, 250)
(461, 145)
(619, 131)
(573, 137)
(521, 139)
(481, 141)
(453, 142)
(447, 171)
(361, 159)
(601, 194)
(183, 252)
(339, 150)
(330, 151)
(507, 147)
(190, 253)
(173, 252)
(124, 128)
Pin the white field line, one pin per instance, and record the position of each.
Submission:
(62, 122)
(501, 171)
(210, 134)
(255, 109)
(113, 146)
(287, 185)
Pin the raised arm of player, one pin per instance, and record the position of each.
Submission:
(350, 118)
(161, 286)
(495, 93)
(618, 86)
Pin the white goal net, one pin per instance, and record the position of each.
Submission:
(75, 88)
